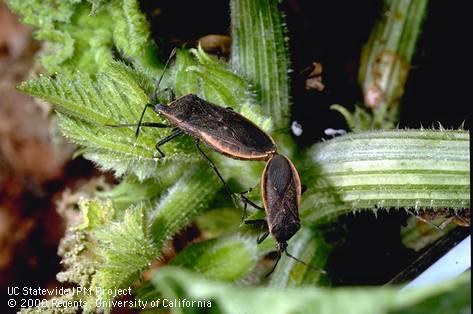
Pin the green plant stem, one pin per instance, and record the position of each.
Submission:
(309, 247)
(411, 169)
(386, 58)
(225, 258)
(189, 196)
(259, 51)
(174, 282)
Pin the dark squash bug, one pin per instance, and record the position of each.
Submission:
(231, 134)
(222, 129)
(281, 194)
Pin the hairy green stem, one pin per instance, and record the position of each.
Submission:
(189, 196)
(259, 51)
(386, 58)
(173, 283)
(411, 169)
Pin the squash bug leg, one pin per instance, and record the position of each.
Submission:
(262, 237)
(174, 133)
(246, 200)
(257, 222)
(263, 225)
(214, 168)
(275, 264)
(144, 124)
(137, 132)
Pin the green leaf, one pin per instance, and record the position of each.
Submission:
(43, 14)
(189, 196)
(80, 253)
(217, 222)
(132, 37)
(177, 283)
(259, 51)
(310, 247)
(131, 191)
(95, 214)
(78, 246)
(418, 169)
(228, 258)
(120, 249)
(117, 96)
(126, 249)
(97, 5)
(360, 120)
(87, 105)
(454, 301)
(78, 40)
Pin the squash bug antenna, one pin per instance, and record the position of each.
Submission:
(306, 264)
(282, 247)
(171, 55)
(275, 264)
(154, 99)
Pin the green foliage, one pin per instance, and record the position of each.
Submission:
(218, 222)
(386, 58)
(88, 104)
(309, 246)
(259, 51)
(105, 252)
(456, 300)
(80, 252)
(126, 249)
(97, 5)
(78, 40)
(78, 247)
(176, 283)
(418, 169)
(211, 258)
(130, 191)
(360, 119)
(189, 196)
(131, 36)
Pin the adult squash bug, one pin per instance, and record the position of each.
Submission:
(231, 134)
(281, 195)
(222, 129)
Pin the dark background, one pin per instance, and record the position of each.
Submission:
(333, 33)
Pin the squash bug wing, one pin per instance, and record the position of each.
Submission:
(281, 192)
(223, 129)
